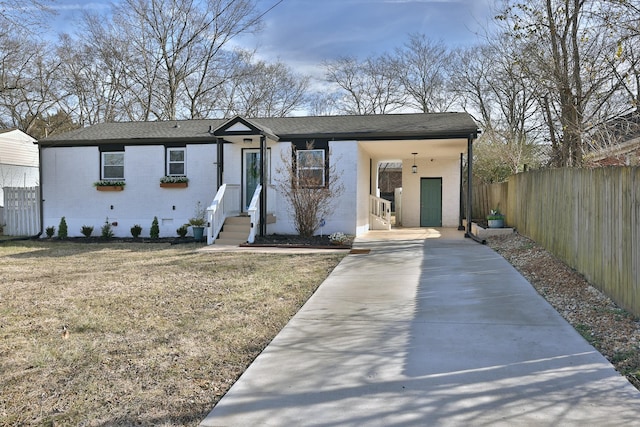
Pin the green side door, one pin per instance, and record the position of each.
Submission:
(431, 202)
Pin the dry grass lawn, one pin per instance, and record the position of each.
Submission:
(155, 334)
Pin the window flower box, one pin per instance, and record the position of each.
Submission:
(106, 185)
(174, 182)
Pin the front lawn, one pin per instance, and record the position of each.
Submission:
(144, 334)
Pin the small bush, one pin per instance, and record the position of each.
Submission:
(183, 230)
(87, 230)
(136, 230)
(107, 232)
(154, 232)
(50, 231)
(62, 229)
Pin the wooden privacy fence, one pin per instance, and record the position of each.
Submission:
(488, 197)
(589, 218)
(21, 211)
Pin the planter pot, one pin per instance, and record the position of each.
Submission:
(174, 184)
(109, 188)
(496, 223)
(198, 233)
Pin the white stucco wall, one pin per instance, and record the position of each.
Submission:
(449, 171)
(67, 188)
(364, 184)
(344, 155)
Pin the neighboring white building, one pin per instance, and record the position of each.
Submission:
(216, 152)
(18, 164)
(18, 160)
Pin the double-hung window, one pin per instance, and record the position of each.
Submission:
(310, 168)
(176, 161)
(112, 165)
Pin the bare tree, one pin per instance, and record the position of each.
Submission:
(260, 89)
(167, 52)
(309, 194)
(366, 87)
(565, 51)
(492, 85)
(29, 87)
(26, 16)
(423, 68)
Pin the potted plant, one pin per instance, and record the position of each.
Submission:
(198, 221)
(109, 185)
(174, 182)
(495, 219)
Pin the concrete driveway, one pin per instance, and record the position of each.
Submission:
(428, 328)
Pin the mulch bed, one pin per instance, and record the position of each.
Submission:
(295, 241)
(96, 239)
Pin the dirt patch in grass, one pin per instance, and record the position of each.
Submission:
(137, 334)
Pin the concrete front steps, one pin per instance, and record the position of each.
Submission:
(235, 230)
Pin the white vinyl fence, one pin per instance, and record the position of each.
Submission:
(21, 211)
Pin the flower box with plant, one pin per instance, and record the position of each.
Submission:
(495, 219)
(109, 185)
(174, 182)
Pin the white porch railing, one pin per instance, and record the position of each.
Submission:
(254, 214)
(379, 213)
(225, 203)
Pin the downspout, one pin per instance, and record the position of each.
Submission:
(41, 200)
(263, 193)
(469, 190)
(460, 226)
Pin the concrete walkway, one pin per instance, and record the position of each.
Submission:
(427, 329)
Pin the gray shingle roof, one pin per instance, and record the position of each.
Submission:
(388, 126)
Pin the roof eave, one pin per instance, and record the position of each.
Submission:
(127, 141)
(381, 136)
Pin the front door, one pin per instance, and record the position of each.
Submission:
(431, 202)
(251, 174)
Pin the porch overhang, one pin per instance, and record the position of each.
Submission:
(426, 148)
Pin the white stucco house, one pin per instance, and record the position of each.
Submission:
(227, 160)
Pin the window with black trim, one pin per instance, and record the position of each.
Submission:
(176, 161)
(310, 165)
(112, 165)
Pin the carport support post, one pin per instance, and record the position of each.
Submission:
(263, 193)
(469, 179)
(460, 226)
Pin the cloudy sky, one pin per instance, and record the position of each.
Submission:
(303, 33)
